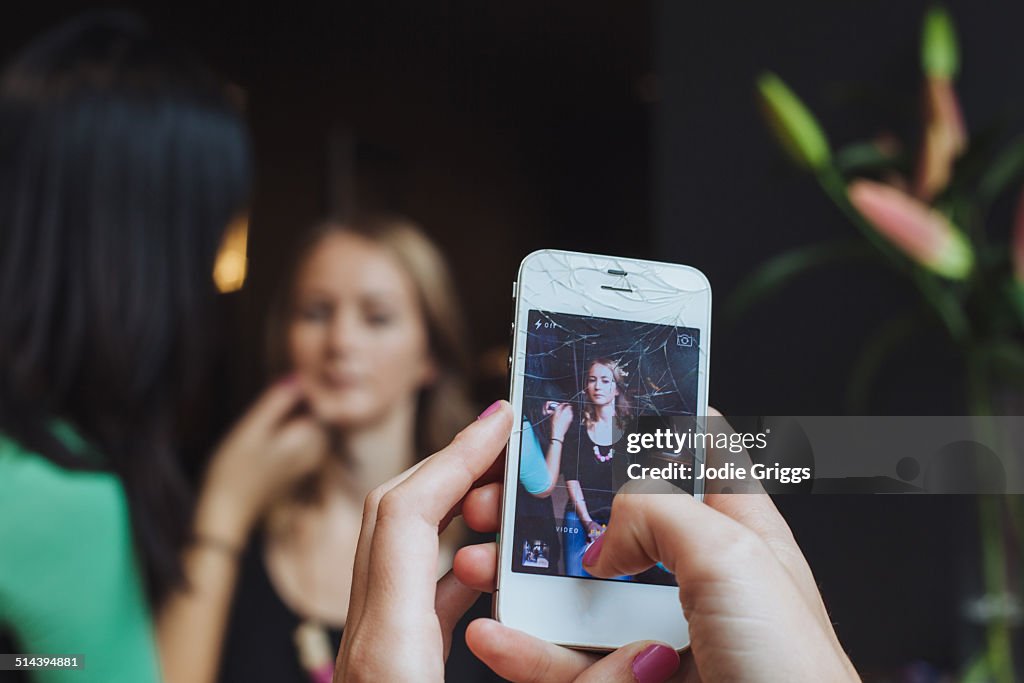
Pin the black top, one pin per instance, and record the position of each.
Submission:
(599, 476)
(259, 643)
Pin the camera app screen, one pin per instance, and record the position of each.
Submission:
(587, 383)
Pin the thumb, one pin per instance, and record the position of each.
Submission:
(694, 541)
(301, 434)
(275, 403)
(643, 662)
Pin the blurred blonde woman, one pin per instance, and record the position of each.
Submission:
(369, 336)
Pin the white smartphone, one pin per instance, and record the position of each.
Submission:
(599, 345)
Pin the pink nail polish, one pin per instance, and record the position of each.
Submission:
(590, 557)
(655, 664)
(493, 408)
(324, 674)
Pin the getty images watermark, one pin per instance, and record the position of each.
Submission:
(815, 454)
(666, 440)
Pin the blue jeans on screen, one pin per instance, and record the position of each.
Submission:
(575, 544)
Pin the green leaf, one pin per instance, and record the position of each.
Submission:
(1006, 169)
(976, 671)
(875, 350)
(987, 142)
(777, 272)
(866, 157)
(1007, 358)
(946, 304)
(940, 55)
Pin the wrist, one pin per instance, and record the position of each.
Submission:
(224, 517)
(223, 547)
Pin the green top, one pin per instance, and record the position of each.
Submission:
(69, 581)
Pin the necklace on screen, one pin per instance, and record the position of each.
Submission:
(603, 458)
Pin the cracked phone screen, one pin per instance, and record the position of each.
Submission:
(587, 381)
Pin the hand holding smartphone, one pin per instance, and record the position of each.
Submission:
(599, 344)
(601, 363)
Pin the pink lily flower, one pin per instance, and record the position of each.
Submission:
(945, 138)
(920, 231)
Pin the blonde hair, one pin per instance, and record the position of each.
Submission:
(622, 404)
(443, 407)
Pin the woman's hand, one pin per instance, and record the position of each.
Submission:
(594, 530)
(561, 421)
(400, 618)
(753, 606)
(750, 599)
(265, 453)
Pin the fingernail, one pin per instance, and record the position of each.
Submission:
(655, 664)
(493, 408)
(289, 380)
(590, 557)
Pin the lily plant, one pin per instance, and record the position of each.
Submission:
(926, 217)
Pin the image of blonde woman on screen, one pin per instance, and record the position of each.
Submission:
(593, 455)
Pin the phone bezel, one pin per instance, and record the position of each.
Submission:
(571, 611)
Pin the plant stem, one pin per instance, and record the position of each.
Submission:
(999, 653)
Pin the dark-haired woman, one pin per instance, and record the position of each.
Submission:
(121, 162)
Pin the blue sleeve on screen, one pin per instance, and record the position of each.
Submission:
(533, 470)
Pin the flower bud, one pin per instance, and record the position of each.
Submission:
(920, 231)
(940, 54)
(793, 124)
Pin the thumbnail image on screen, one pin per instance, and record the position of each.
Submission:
(587, 382)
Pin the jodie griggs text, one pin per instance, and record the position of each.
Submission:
(727, 472)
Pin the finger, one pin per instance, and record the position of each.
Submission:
(451, 601)
(476, 566)
(304, 436)
(755, 510)
(481, 508)
(694, 541)
(688, 672)
(521, 658)
(275, 403)
(361, 564)
(646, 661)
(448, 475)
(367, 528)
(485, 508)
(716, 457)
(405, 535)
(709, 552)
(494, 473)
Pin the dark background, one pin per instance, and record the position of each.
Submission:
(626, 128)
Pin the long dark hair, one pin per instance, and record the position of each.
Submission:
(121, 162)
